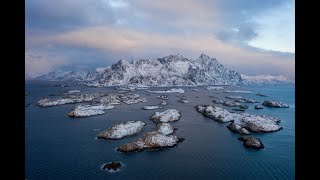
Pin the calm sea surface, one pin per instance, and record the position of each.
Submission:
(59, 147)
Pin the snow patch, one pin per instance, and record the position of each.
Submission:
(174, 90)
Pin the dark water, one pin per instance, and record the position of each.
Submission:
(59, 147)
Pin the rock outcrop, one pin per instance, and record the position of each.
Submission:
(122, 130)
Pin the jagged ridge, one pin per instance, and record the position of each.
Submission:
(172, 70)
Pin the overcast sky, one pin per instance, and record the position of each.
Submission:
(253, 37)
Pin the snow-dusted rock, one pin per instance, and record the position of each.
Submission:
(74, 91)
(196, 90)
(215, 88)
(218, 101)
(239, 91)
(234, 97)
(231, 104)
(239, 100)
(132, 96)
(50, 102)
(237, 128)
(251, 142)
(164, 97)
(111, 99)
(163, 103)
(216, 113)
(151, 140)
(257, 123)
(127, 98)
(252, 123)
(165, 128)
(71, 99)
(135, 101)
(89, 110)
(182, 101)
(122, 130)
(266, 80)
(173, 90)
(247, 100)
(151, 107)
(166, 116)
(275, 104)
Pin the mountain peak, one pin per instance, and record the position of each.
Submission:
(171, 70)
(204, 56)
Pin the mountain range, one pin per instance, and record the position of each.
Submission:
(172, 70)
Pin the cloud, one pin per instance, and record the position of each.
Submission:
(103, 31)
(139, 44)
(37, 64)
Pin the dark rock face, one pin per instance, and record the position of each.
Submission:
(112, 166)
(251, 142)
(258, 107)
(242, 110)
(129, 147)
(275, 104)
(243, 106)
(238, 129)
(262, 95)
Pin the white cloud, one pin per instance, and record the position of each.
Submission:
(37, 64)
(139, 44)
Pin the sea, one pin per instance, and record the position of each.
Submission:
(60, 147)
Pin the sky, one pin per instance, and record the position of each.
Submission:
(253, 37)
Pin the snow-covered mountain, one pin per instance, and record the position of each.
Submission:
(265, 80)
(27, 76)
(172, 70)
(77, 75)
(167, 71)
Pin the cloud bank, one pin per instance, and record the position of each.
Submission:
(107, 31)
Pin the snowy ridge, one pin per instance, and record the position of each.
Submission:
(172, 70)
(77, 75)
(265, 80)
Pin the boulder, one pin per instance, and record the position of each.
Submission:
(238, 129)
(258, 107)
(122, 130)
(251, 142)
(112, 166)
(89, 110)
(151, 140)
(151, 107)
(165, 128)
(166, 116)
(275, 104)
